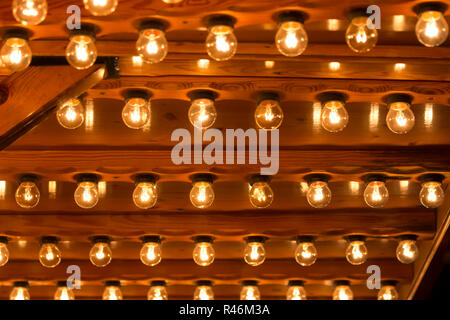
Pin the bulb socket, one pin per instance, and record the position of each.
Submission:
(357, 12)
(259, 239)
(291, 15)
(301, 239)
(86, 29)
(258, 178)
(299, 283)
(355, 238)
(145, 177)
(203, 238)
(374, 177)
(389, 283)
(21, 33)
(203, 177)
(158, 283)
(314, 177)
(49, 240)
(87, 177)
(341, 283)
(154, 239)
(437, 177)
(157, 24)
(202, 94)
(21, 284)
(412, 237)
(398, 97)
(62, 283)
(100, 239)
(327, 96)
(4, 240)
(112, 283)
(136, 93)
(29, 178)
(207, 283)
(430, 6)
(220, 20)
(267, 95)
(246, 283)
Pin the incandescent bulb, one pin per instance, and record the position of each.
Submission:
(261, 195)
(306, 253)
(296, 291)
(431, 195)
(342, 292)
(4, 252)
(100, 7)
(432, 28)
(145, 195)
(360, 38)
(112, 292)
(202, 194)
(81, 53)
(100, 254)
(136, 113)
(388, 292)
(334, 116)
(49, 254)
(152, 45)
(250, 292)
(86, 194)
(291, 38)
(16, 54)
(318, 194)
(27, 195)
(29, 12)
(20, 291)
(376, 194)
(356, 252)
(268, 114)
(203, 253)
(151, 253)
(203, 292)
(221, 43)
(400, 118)
(157, 291)
(407, 251)
(64, 293)
(202, 113)
(254, 253)
(70, 115)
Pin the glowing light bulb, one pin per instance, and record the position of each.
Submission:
(296, 290)
(151, 251)
(100, 253)
(203, 253)
(387, 291)
(86, 194)
(204, 291)
(152, 44)
(360, 38)
(268, 113)
(81, 53)
(291, 38)
(63, 292)
(145, 195)
(400, 118)
(70, 114)
(356, 252)
(254, 253)
(202, 194)
(157, 291)
(49, 254)
(202, 113)
(20, 291)
(112, 291)
(318, 194)
(136, 112)
(334, 116)
(431, 28)
(306, 252)
(221, 43)
(16, 53)
(376, 194)
(260, 194)
(101, 7)
(4, 252)
(29, 12)
(431, 195)
(407, 250)
(27, 194)
(250, 291)
(342, 291)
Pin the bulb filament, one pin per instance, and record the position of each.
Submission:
(431, 30)
(291, 40)
(222, 44)
(361, 37)
(30, 10)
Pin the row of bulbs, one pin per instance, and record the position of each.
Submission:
(204, 254)
(204, 291)
(221, 44)
(268, 114)
(145, 194)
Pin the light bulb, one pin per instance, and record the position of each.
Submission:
(221, 43)
(318, 194)
(27, 194)
(400, 118)
(291, 38)
(16, 53)
(376, 194)
(204, 253)
(250, 291)
(112, 291)
(254, 253)
(431, 195)
(49, 254)
(202, 194)
(407, 250)
(387, 292)
(63, 292)
(151, 251)
(268, 114)
(100, 253)
(70, 114)
(145, 195)
(152, 45)
(203, 291)
(136, 112)
(81, 52)
(334, 116)
(296, 291)
(29, 12)
(431, 28)
(342, 291)
(4, 252)
(157, 291)
(86, 194)
(356, 252)
(202, 113)
(20, 291)
(100, 7)
(306, 252)
(260, 194)
(360, 38)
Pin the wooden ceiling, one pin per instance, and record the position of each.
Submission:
(32, 141)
